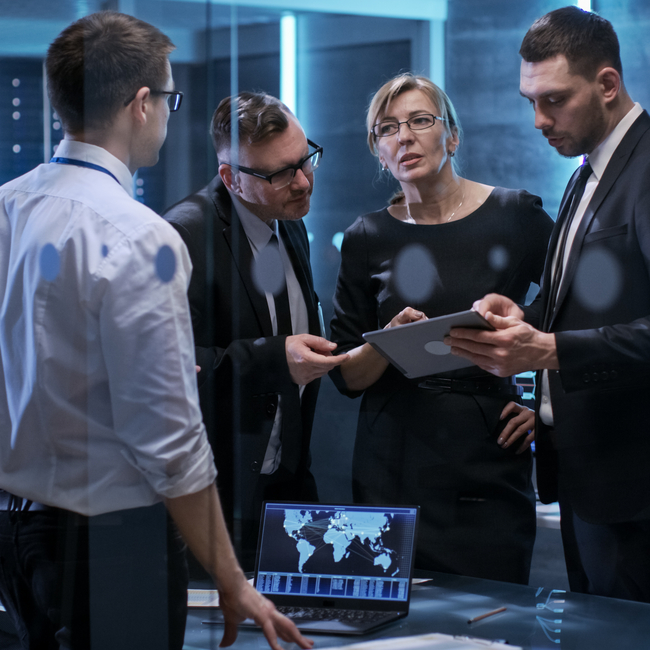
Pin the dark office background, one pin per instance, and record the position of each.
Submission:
(341, 61)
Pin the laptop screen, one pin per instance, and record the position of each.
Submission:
(331, 551)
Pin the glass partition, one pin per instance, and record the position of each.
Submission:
(325, 59)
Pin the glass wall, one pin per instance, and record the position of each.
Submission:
(325, 59)
(335, 61)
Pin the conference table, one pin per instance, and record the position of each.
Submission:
(535, 618)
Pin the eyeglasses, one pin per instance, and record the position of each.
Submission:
(174, 98)
(416, 123)
(284, 176)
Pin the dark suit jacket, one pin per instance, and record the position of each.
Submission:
(243, 366)
(602, 325)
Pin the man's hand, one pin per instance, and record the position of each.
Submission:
(245, 602)
(514, 347)
(521, 424)
(407, 315)
(500, 305)
(310, 357)
(200, 521)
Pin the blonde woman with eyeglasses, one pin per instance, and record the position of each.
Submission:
(457, 445)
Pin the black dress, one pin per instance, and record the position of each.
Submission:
(432, 448)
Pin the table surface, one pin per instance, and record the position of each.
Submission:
(535, 618)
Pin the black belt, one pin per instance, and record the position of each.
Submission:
(474, 387)
(13, 503)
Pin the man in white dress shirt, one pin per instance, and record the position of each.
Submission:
(99, 417)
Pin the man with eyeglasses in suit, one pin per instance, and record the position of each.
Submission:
(255, 314)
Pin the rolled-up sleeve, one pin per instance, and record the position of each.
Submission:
(146, 336)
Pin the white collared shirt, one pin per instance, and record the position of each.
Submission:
(598, 159)
(259, 235)
(98, 399)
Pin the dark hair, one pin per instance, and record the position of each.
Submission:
(99, 62)
(258, 116)
(586, 40)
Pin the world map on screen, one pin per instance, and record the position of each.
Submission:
(345, 533)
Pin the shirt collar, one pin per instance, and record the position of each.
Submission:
(599, 158)
(98, 156)
(258, 232)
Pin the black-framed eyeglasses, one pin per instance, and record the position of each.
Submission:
(284, 176)
(174, 98)
(415, 123)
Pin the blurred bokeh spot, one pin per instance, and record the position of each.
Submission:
(415, 273)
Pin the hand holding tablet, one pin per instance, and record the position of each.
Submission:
(417, 349)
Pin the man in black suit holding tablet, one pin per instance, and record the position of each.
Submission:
(588, 332)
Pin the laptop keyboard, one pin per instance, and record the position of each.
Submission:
(343, 615)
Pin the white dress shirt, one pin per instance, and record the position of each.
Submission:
(598, 159)
(259, 235)
(98, 399)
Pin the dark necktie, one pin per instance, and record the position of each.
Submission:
(565, 219)
(291, 431)
(282, 308)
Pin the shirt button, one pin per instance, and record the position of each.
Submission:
(596, 377)
(255, 466)
(586, 377)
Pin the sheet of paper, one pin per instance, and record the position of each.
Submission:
(202, 598)
(432, 641)
(205, 597)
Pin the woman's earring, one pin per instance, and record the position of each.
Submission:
(452, 154)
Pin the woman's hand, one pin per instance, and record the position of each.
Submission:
(407, 315)
(521, 424)
(365, 365)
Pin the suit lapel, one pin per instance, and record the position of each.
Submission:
(614, 169)
(242, 256)
(294, 241)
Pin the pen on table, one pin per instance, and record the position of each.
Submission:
(482, 616)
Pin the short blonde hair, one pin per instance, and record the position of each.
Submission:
(403, 83)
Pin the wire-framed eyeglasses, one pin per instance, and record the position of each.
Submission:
(416, 123)
(174, 98)
(284, 176)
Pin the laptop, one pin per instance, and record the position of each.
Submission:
(337, 569)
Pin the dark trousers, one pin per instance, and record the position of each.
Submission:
(606, 559)
(116, 581)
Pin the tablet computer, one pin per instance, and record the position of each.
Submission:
(417, 349)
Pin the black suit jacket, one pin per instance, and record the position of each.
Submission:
(601, 323)
(243, 366)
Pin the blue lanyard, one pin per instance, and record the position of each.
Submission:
(82, 163)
